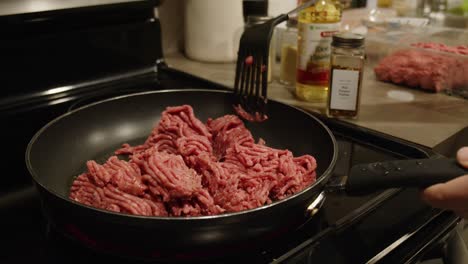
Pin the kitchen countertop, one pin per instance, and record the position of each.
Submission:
(424, 118)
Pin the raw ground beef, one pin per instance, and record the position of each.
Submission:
(257, 117)
(424, 69)
(188, 168)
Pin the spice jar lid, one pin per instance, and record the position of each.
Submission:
(347, 39)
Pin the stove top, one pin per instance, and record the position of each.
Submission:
(346, 230)
(101, 52)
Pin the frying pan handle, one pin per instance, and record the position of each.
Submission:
(365, 178)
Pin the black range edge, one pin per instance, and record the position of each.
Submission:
(63, 15)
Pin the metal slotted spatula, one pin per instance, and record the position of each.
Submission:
(250, 86)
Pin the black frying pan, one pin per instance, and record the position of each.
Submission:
(58, 152)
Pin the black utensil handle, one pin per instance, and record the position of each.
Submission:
(365, 178)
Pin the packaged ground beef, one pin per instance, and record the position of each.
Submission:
(429, 66)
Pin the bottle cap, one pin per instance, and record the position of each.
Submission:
(347, 39)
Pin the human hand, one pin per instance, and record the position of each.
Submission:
(452, 195)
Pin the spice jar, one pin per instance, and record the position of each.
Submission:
(254, 20)
(346, 70)
(288, 53)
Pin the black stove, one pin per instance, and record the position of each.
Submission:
(59, 58)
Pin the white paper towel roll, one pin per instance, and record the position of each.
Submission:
(213, 29)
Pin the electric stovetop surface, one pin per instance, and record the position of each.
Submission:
(346, 229)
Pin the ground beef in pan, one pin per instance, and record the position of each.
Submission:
(188, 168)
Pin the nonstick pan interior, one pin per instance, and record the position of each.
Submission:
(59, 151)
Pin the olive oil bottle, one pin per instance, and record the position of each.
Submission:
(316, 26)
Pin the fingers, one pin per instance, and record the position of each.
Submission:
(451, 195)
(462, 156)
